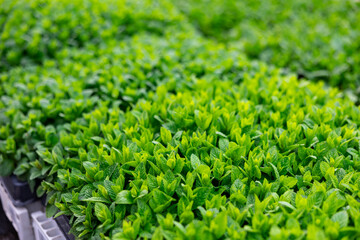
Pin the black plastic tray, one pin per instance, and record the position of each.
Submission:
(63, 223)
(4, 222)
(7, 230)
(19, 191)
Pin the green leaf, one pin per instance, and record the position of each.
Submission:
(165, 135)
(342, 218)
(102, 212)
(124, 197)
(219, 225)
(286, 204)
(223, 144)
(276, 172)
(50, 210)
(96, 199)
(195, 161)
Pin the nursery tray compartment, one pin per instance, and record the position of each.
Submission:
(19, 191)
(63, 223)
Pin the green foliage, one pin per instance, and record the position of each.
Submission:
(317, 39)
(38, 102)
(137, 127)
(277, 158)
(36, 29)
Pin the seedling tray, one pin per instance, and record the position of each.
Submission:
(63, 223)
(19, 191)
(45, 228)
(5, 224)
